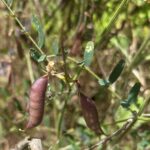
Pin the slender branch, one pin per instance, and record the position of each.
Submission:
(29, 65)
(137, 58)
(22, 27)
(65, 104)
(112, 20)
(109, 138)
(117, 122)
(144, 106)
(60, 119)
(120, 133)
(89, 71)
(94, 75)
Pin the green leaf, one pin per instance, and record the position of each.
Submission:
(9, 2)
(35, 55)
(116, 71)
(88, 54)
(104, 82)
(132, 96)
(134, 91)
(38, 26)
(55, 46)
(42, 58)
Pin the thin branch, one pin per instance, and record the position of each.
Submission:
(112, 21)
(136, 59)
(29, 65)
(22, 27)
(120, 133)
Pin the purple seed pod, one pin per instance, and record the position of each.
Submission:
(90, 113)
(36, 101)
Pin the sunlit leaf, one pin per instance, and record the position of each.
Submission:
(116, 71)
(132, 96)
(38, 26)
(88, 54)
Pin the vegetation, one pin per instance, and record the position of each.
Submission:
(95, 56)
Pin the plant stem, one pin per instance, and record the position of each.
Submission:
(60, 119)
(65, 104)
(137, 58)
(144, 106)
(111, 22)
(29, 65)
(94, 75)
(22, 27)
(120, 133)
(89, 71)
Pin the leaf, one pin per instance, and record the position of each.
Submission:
(55, 46)
(88, 54)
(9, 2)
(42, 58)
(116, 71)
(35, 55)
(132, 96)
(104, 82)
(38, 26)
(134, 91)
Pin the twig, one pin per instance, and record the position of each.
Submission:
(109, 138)
(94, 75)
(136, 59)
(120, 133)
(89, 71)
(22, 27)
(112, 21)
(29, 65)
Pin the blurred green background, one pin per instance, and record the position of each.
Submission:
(118, 32)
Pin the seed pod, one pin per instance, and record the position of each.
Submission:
(36, 101)
(90, 112)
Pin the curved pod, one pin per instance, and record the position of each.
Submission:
(89, 112)
(36, 101)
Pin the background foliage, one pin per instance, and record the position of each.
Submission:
(70, 33)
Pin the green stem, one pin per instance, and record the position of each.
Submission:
(144, 106)
(137, 58)
(86, 68)
(60, 119)
(29, 65)
(91, 72)
(112, 20)
(65, 104)
(22, 27)
(135, 118)
(146, 119)
(117, 122)
(95, 76)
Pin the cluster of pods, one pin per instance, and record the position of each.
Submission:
(36, 106)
